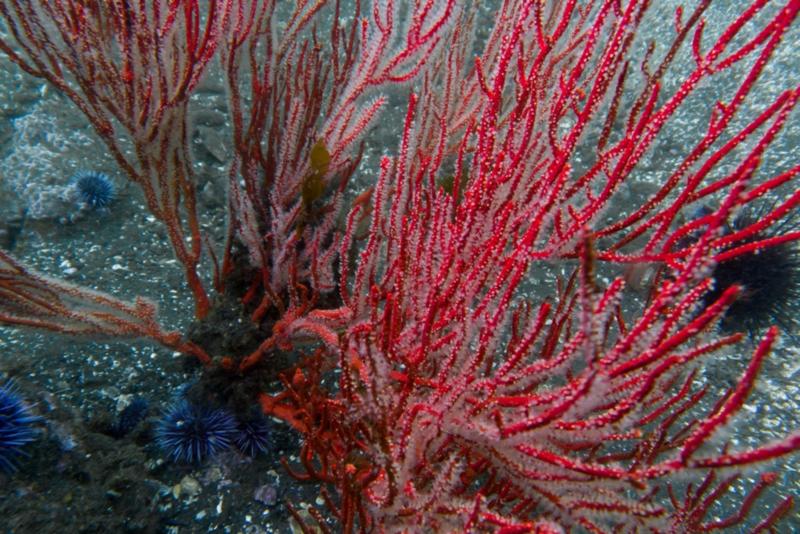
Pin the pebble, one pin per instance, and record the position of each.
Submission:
(266, 494)
(187, 486)
(213, 142)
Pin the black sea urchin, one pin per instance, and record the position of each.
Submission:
(769, 277)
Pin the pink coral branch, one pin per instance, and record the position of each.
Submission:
(30, 299)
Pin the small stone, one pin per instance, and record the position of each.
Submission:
(214, 474)
(190, 486)
(266, 494)
(213, 142)
(209, 195)
(152, 465)
(209, 118)
(123, 400)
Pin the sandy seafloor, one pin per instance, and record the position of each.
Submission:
(79, 479)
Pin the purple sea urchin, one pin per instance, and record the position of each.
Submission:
(94, 190)
(191, 433)
(16, 427)
(129, 418)
(254, 436)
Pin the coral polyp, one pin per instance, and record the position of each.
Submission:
(191, 433)
(16, 427)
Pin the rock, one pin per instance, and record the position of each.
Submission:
(266, 494)
(187, 486)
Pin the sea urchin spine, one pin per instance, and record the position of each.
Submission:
(94, 190)
(191, 433)
(16, 427)
(254, 436)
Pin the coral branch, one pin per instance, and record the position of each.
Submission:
(130, 67)
(30, 299)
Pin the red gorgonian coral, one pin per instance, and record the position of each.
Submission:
(493, 371)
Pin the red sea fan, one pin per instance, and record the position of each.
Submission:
(469, 402)
(493, 371)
